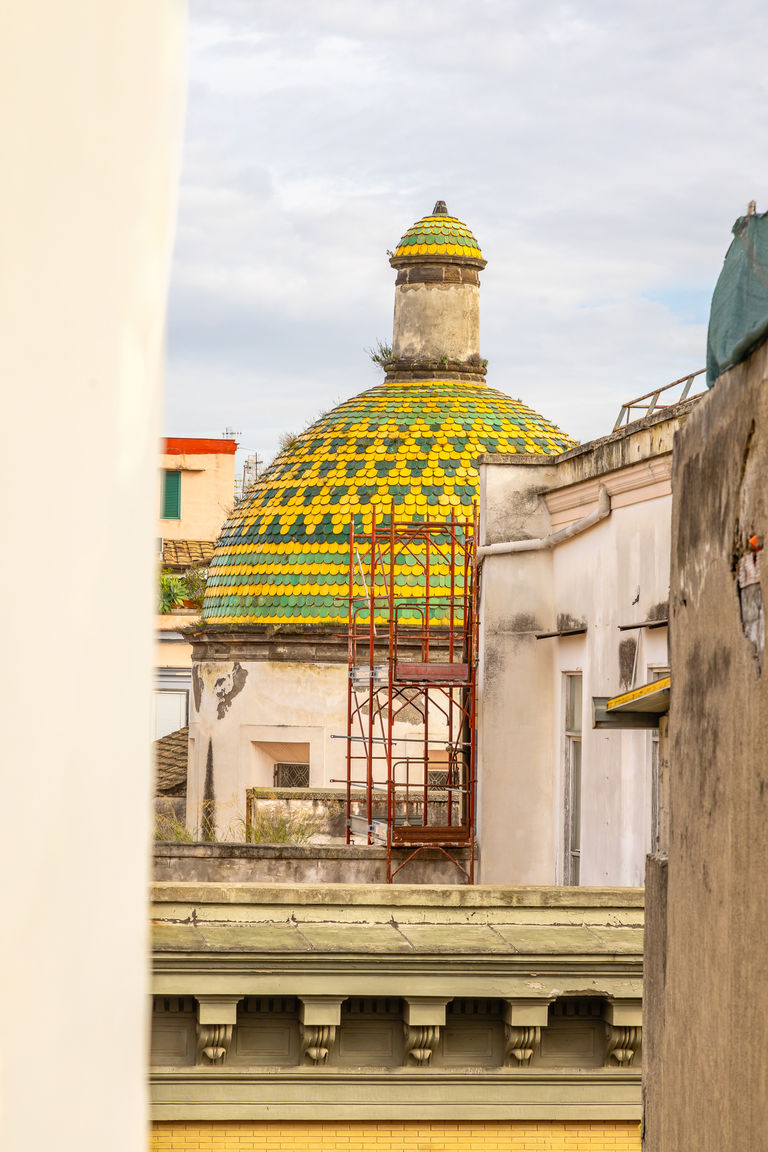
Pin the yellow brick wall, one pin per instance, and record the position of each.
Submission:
(409, 1136)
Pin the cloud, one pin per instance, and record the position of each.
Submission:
(599, 151)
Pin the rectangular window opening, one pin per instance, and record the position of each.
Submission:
(572, 822)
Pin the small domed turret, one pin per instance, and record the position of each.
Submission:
(437, 301)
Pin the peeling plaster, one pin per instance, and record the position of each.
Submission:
(627, 650)
(229, 686)
(197, 687)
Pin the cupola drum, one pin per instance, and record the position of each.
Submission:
(437, 297)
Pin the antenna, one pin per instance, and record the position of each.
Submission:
(249, 477)
(230, 434)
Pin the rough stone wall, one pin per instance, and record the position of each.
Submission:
(300, 864)
(706, 996)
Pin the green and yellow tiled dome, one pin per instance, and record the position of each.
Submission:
(438, 235)
(282, 557)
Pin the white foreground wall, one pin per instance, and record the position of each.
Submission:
(616, 573)
(92, 97)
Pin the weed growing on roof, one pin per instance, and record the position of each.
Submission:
(381, 354)
(172, 830)
(272, 827)
(266, 827)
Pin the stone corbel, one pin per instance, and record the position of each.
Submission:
(216, 1019)
(423, 1018)
(523, 1022)
(624, 1028)
(319, 1017)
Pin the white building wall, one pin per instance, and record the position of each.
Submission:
(615, 573)
(596, 577)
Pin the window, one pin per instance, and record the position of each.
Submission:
(572, 821)
(171, 711)
(171, 496)
(291, 775)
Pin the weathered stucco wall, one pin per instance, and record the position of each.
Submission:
(246, 715)
(614, 574)
(706, 1000)
(515, 792)
(299, 864)
(434, 320)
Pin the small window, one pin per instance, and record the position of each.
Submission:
(572, 869)
(171, 496)
(437, 778)
(291, 776)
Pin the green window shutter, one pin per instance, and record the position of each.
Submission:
(172, 496)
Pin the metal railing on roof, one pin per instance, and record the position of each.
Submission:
(649, 403)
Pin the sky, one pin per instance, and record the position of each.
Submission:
(599, 151)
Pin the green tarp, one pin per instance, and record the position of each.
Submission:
(738, 318)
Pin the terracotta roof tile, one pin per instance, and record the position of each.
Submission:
(182, 554)
(171, 763)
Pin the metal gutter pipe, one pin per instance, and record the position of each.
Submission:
(600, 513)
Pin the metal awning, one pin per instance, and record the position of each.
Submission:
(640, 708)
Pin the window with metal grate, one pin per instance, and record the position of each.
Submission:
(291, 775)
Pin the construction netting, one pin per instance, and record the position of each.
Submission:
(738, 319)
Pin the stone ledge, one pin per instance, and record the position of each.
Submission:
(417, 895)
(461, 1094)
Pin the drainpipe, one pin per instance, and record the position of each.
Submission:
(600, 513)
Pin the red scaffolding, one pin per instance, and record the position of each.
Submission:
(412, 642)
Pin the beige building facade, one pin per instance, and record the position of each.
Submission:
(197, 487)
(196, 494)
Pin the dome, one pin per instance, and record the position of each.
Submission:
(282, 557)
(438, 235)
